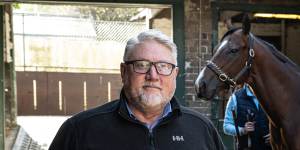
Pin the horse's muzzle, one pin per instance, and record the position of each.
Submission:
(200, 88)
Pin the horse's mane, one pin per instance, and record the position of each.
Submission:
(273, 49)
(281, 57)
(230, 32)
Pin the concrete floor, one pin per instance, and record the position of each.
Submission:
(41, 129)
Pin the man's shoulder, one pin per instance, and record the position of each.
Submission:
(99, 111)
(189, 112)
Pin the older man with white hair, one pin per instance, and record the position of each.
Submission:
(147, 116)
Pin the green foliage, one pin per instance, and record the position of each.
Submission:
(16, 5)
(48, 9)
(87, 11)
(108, 13)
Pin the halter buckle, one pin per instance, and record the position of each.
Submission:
(233, 83)
(223, 77)
(251, 52)
(247, 64)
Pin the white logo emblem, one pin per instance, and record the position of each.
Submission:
(177, 138)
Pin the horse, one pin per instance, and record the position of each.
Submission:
(241, 57)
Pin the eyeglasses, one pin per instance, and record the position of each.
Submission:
(143, 66)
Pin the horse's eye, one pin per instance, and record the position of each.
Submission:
(234, 50)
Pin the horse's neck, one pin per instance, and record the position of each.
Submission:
(275, 84)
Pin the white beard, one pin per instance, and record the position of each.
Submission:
(147, 101)
(151, 100)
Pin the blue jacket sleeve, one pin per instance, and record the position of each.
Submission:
(228, 125)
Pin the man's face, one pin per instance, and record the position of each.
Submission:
(149, 90)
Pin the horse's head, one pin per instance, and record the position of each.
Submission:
(231, 61)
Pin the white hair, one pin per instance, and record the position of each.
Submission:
(151, 34)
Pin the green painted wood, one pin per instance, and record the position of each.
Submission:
(266, 8)
(2, 97)
(215, 19)
(11, 73)
(178, 36)
(102, 1)
(216, 104)
(178, 29)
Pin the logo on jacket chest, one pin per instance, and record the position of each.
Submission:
(177, 138)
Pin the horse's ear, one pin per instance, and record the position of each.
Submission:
(246, 24)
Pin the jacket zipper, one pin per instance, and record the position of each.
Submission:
(151, 141)
(150, 134)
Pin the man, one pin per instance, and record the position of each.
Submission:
(147, 116)
(250, 121)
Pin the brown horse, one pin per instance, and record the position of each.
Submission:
(274, 78)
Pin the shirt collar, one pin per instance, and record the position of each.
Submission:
(167, 110)
(248, 90)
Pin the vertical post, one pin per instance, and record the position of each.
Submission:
(283, 36)
(108, 91)
(34, 95)
(217, 101)
(178, 37)
(23, 37)
(215, 19)
(10, 73)
(214, 41)
(60, 98)
(2, 96)
(84, 96)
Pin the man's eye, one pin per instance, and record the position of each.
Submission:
(164, 65)
(142, 65)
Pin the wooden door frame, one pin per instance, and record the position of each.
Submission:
(178, 28)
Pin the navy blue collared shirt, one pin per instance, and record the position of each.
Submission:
(167, 110)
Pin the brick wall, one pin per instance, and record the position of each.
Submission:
(197, 45)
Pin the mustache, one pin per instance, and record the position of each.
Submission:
(152, 85)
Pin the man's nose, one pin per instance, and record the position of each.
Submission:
(152, 73)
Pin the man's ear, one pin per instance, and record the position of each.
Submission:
(122, 69)
(176, 71)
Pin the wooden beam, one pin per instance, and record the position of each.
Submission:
(2, 96)
(215, 31)
(178, 36)
(96, 1)
(266, 8)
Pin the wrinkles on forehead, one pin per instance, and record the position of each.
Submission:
(152, 51)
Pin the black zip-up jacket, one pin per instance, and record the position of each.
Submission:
(109, 127)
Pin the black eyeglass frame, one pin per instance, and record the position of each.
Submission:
(151, 64)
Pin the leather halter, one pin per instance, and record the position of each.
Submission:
(227, 79)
